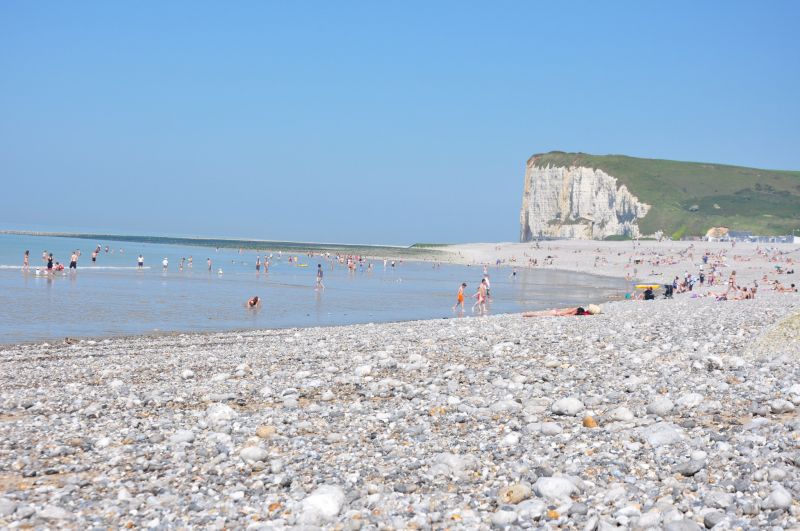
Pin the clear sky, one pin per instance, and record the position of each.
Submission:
(369, 122)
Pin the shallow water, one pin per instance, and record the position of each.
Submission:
(112, 297)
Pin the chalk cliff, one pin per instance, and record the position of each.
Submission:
(576, 202)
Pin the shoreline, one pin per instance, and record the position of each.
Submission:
(653, 413)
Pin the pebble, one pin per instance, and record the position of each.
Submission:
(660, 407)
(513, 494)
(182, 436)
(555, 488)
(569, 406)
(322, 505)
(252, 454)
(779, 498)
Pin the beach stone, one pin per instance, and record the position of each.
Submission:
(513, 494)
(621, 414)
(589, 422)
(216, 413)
(779, 498)
(650, 519)
(322, 505)
(363, 370)
(661, 434)
(551, 428)
(570, 406)
(682, 525)
(511, 439)
(182, 436)
(555, 488)
(660, 406)
(718, 499)
(252, 454)
(51, 512)
(691, 467)
(187, 374)
(580, 509)
(713, 518)
(690, 400)
(265, 431)
(780, 405)
(7, 506)
(504, 516)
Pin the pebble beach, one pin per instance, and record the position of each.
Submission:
(675, 414)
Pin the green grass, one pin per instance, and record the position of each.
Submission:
(762, 201)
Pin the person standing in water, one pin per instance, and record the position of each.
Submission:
(164, 264)
(191, 261)
(460, 297)
(480, 295)
(208, 261)
(140, 262)
(319, 278)
(50, 262)
(26, 263)
(73, 261)
(258, 264)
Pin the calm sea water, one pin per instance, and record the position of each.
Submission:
(112, 297)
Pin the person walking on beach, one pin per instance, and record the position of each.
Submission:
(140, 262)
(480, 295)
(731, 282)
(73, 261)
(26, 264)
(460, 297)
(319, 278)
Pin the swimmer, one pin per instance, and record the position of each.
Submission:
(254, 302)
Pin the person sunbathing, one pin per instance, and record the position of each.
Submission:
(564, 312)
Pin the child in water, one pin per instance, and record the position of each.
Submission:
(460, 297)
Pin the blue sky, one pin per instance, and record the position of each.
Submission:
(373, 122)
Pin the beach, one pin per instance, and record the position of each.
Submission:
(675, 413)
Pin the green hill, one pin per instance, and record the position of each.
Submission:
(688, 198)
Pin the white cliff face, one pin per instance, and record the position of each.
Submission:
(577, 202)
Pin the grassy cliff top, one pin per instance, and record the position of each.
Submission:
(690, 197)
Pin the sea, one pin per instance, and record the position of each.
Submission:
(113, 297)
